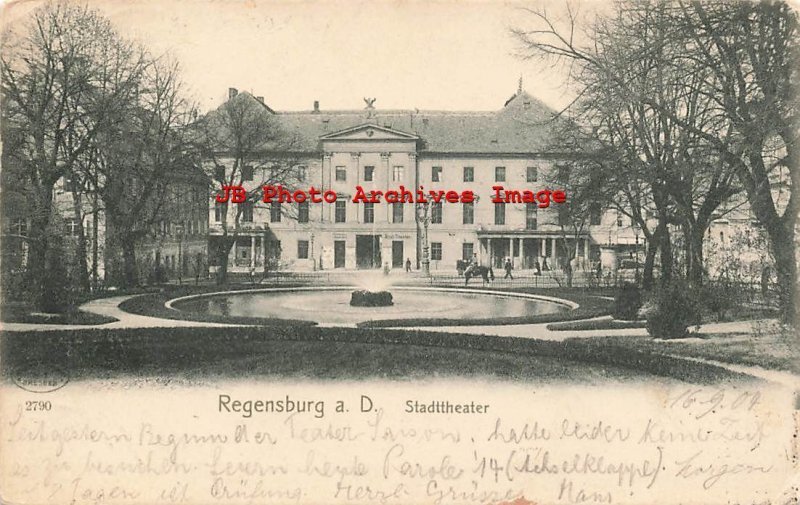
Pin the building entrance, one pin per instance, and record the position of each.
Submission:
(338, 253)
(368, 251)
(397, 254)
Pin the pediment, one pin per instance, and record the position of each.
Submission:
(369, 132)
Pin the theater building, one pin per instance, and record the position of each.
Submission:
(438, 150)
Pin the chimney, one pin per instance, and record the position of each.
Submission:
(316, 106)
(232, 92)
(260, 99)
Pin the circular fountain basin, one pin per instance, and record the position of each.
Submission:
(331, 305)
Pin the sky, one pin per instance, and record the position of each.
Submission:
(424, 55)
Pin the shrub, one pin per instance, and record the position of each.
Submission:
(671, 309)
(627, 302)
(721, 297)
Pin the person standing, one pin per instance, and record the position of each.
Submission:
(508, 267)
(408, 264)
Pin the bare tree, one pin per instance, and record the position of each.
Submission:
(140, 159)
(49, 81)
(242, 141)
(654, 160)
(750, 56)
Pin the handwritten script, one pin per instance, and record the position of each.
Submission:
(392, 443)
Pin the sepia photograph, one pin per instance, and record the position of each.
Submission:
(399, 252)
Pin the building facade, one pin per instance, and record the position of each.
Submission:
(432, 150)
(175, 247)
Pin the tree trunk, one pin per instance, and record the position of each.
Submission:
(95, 245)
(38, 278)
(80, 252)
(130, 268)
(665, 245)
(223, 252)
(696, 238)
(650, 260)
(783, 248)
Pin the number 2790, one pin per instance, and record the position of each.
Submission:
(38, 406)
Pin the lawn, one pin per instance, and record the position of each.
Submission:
(24, 313)
(770, 346)
(335, 353)
(595, 324)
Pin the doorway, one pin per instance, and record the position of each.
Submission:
(368, 251)
(338, 253)
(397, 254)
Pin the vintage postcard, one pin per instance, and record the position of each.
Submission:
(334, 252)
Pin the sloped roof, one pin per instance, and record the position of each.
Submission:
(523, 125)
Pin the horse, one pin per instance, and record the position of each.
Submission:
(486, 273)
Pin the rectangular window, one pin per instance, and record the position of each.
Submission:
(467, 251)
(247, 212)
(340, 215)
(436, 174)
(302, 212)
(530, 216)
(341, 173)
(436, 213)
(468, 213)
(219, 211)
(469, 174)
(397, 173)
(302, 249)
(619, 219)
(532, 174)
(595, 214)
(500, 213)
(219, 173)
(20, 227)
(302, 172)
(397, 212)
(247, 173)
(500, 174)
(564, 217)
(274, 249)
(72, 226)
(369, 212)
(70, 184)
(274, 212)
(369, 173)
(436, 251)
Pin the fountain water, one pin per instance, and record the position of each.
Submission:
(374, 291)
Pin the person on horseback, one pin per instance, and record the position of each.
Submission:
(486, 273)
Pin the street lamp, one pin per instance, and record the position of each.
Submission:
(179, 232)
(311, 246)
(424, 217)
